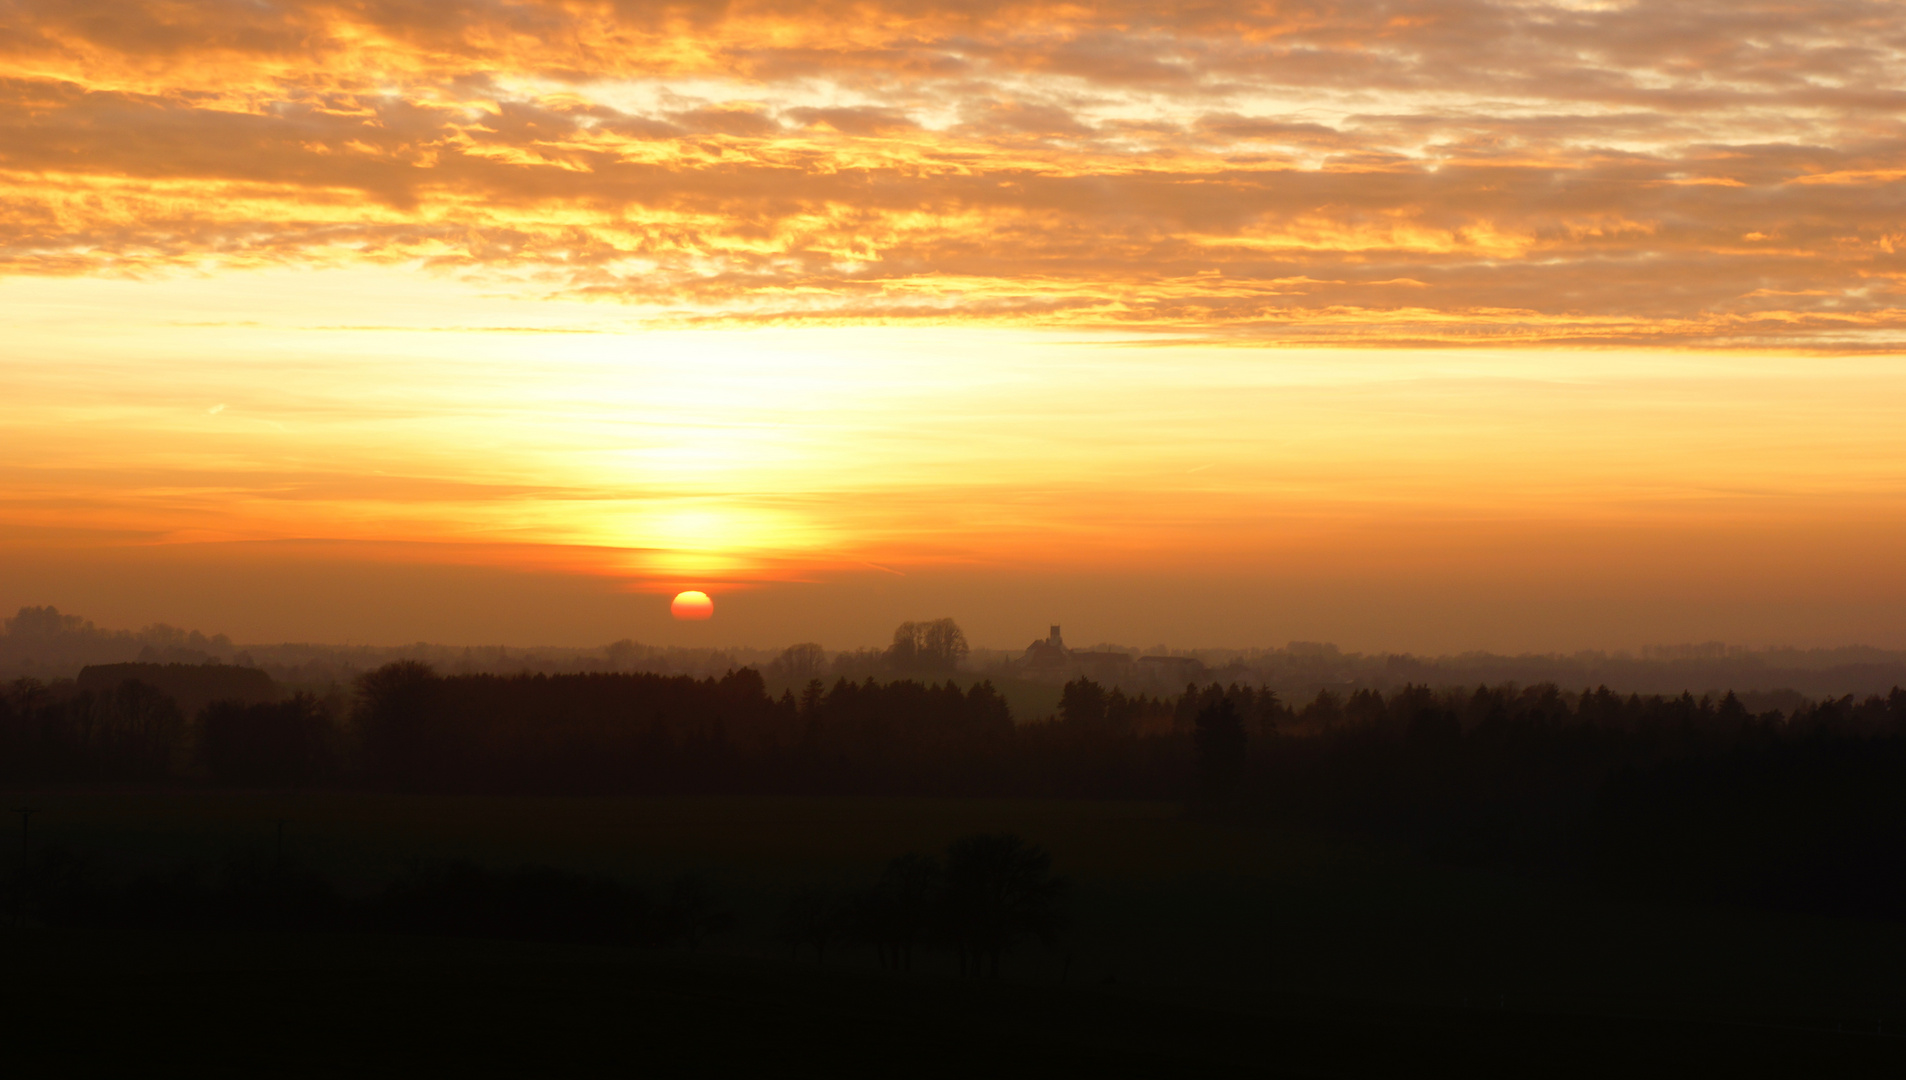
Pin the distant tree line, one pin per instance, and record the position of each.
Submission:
(133, 728)
(1804, 809)
(42, 639)
(1695, 798)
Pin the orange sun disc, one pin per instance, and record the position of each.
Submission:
(692, 605)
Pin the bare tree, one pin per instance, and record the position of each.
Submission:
(943, 645)
(933, 648)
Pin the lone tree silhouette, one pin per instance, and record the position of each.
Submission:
(999, 890)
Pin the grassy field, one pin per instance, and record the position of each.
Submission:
(1192, 944)
(258, 1005)
(1162, 904)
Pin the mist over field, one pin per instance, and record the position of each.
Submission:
(43, 643)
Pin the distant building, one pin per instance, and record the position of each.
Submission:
(1046, 657)
(1050, 660)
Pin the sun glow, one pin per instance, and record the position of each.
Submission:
(771, 455)
(692, 606)
(783, 294)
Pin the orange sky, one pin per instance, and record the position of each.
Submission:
(1424, 326)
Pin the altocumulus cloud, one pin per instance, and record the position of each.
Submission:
(1717, 174)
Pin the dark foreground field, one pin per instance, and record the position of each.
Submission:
(1191, 945)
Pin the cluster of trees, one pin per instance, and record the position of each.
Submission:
(1803, 810)
(43, 641)
(928, 648)
(1704, 798)
(133, 729)
(992, 892)
(410, 728)
(131, 733)
(417, 730)
(935, 649)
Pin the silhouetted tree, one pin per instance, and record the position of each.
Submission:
(1270, 712)
(930, 648)
(396, 722)
(131, 733)
(1324, 713)
(999, 890)
(811, 697)
(43, 623)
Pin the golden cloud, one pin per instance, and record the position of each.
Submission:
(1535, 173)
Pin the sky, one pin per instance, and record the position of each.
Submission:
(1410, 326)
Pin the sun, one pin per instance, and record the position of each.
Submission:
(692, 605)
